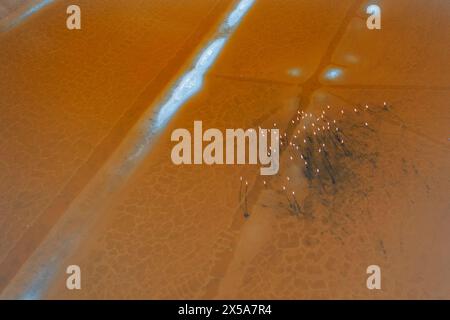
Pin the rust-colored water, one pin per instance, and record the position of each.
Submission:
(74, 102)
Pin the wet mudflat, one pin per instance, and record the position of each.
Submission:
(363, 176)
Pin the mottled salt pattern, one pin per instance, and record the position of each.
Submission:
(192, 81)
(9, 6)
(189, 84)
(238, 13)
(34, 8)
(179, 233)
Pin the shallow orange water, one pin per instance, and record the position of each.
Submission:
(73, 104)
